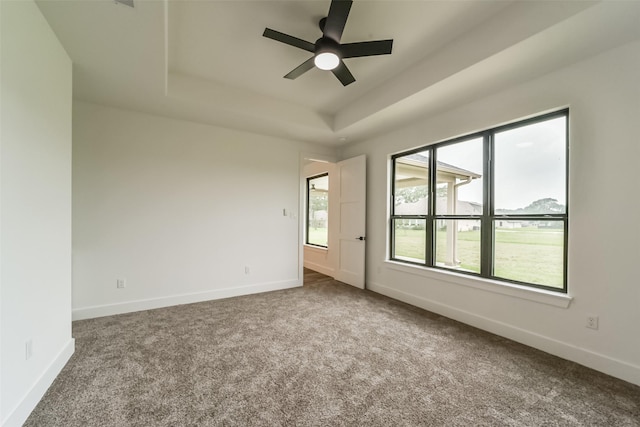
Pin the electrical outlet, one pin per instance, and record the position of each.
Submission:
(121, 283)
(28, 349)
(592, 322)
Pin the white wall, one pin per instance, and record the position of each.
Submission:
(179, 210)
(35, 214)
(604, 99)
(320, 259)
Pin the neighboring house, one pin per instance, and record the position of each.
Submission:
(413, 171)
(462, 207)
(511, 224)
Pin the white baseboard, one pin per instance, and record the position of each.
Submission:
(319, 268)
(30, 400)
(600, 362)
(151, 303)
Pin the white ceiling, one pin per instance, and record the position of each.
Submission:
(221, 41)
(207, 61)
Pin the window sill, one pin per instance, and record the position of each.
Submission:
(504, 288)
(315, 248)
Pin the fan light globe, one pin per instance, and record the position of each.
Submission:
(326, 60)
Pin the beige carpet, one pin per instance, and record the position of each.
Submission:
(324, 354)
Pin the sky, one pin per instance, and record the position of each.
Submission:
(529, 164)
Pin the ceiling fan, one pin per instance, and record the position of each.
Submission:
(328, 53)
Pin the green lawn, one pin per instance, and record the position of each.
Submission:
(318, 236)
(529, 255)
(468, 249)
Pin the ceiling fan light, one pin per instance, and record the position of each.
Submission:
(326, 60)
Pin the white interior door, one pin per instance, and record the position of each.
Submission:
(352, 209)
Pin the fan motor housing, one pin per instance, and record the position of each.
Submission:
(325, 44)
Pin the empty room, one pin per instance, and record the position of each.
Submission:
(319, 212)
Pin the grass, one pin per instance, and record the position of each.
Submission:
(528, 255)
(318, 236)
(468, 249)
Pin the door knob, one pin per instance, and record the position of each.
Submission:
(360, 238)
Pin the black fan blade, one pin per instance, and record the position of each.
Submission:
(343, 74)
(301, 69)
(336, 19)
(378, 47)
(290, 40)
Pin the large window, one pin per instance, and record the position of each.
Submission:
(491, 204)
(318, 210)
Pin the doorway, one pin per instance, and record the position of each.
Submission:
(340, 206)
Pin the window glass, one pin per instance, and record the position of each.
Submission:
(530, 169)
(458, 244)
(318, 210)
(410, 237)
(411, 184)
(529, 251)
(459, 174)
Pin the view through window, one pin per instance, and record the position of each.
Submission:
(453, 208)
(318, 210)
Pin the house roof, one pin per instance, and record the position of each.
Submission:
(417, 159)
(206, 61)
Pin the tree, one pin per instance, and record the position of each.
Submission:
(542, 206)
(318, 202)
(410, 194)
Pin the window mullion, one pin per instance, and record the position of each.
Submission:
(392, 234)
(486, 228)
(431, 210)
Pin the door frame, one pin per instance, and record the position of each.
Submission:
(302, 190)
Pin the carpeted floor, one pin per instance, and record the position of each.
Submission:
(323, 354)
